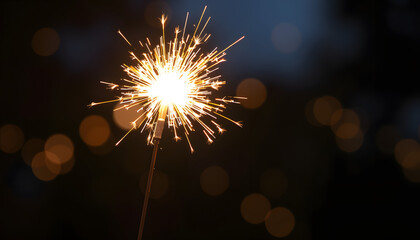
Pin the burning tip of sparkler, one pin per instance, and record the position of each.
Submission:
(173, 82)
(163, 19)
(92, 104)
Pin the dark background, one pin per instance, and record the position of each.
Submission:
(364, 53)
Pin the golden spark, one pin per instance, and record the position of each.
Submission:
(172, 83)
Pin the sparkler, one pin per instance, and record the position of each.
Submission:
(172, 84)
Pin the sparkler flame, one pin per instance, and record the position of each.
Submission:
(173, 82)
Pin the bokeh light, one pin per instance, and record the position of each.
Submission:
(45, 41)
(52, 162)
(254, 208)
(403, 148)
(159, 184)
(273, 183)
(412, 175)
(412, 160)
(286, 38)
(124, 117)
(67, 166)
(11, 138)
(44, 167)
(324, 108)
(94, 130)
(255, 92)
(105, 148)
(347, 130)
(61, 147)
(407, 154)
(214, 180)
(309, 113)
(350, 144)
(343, 116)
(31, 148)
(280, 222)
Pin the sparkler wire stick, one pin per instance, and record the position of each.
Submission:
(156, 138)
(148, 188)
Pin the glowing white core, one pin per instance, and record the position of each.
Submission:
(170, 88)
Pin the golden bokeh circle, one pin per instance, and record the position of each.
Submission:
(343, 116)
(347, 130)
(254, 91)
(31, 148)
(61, 146)
(40, 168)
(412, 175)
(45, 41)
(124, 117)
(214, 180)
(404, 147)
(350, 144)
(309, 113)
(67, 166)
(94, 130)
(11, 138)
(280, 222)
(411, 160)
(254, 208)
(52, 163)
(324, 108)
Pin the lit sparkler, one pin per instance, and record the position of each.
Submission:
(172, 83)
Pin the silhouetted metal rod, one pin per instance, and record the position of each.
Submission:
(156, 138)
(148, 187)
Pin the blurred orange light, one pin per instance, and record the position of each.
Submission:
(254, 208)
(412, 160)
(351, 144)
(412, 175)
(324, 108)
(67, 166)
(309, 113)
(344, 116)
(61, 146)
(105, 148)
(52, 162)
(124, 117)
(45, 42)
(11, 138)
(94, 130)
(31, 148)
(214, 180)
(347, 130)
(280, 222)
(404, 147)
(255, 92)
(40, 168)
